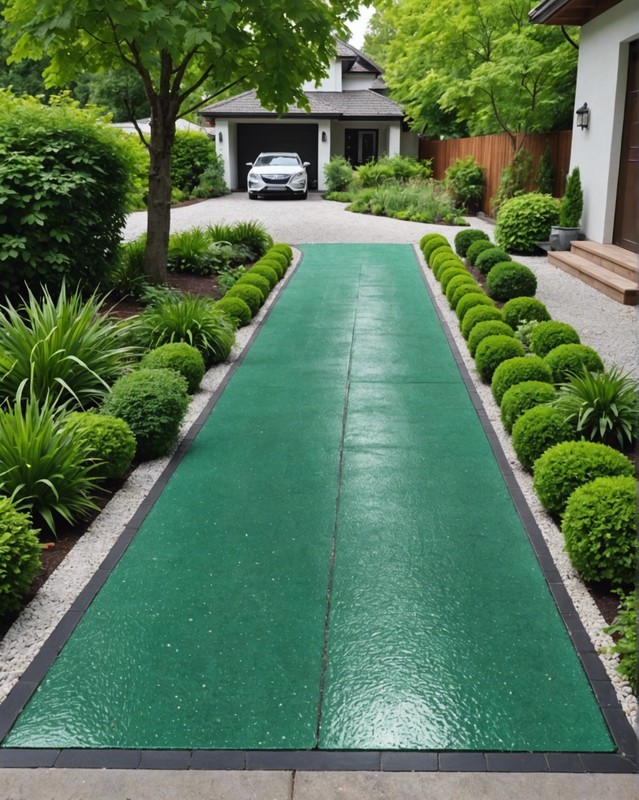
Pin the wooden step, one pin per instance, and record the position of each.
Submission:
(606, 281)
(609, 256)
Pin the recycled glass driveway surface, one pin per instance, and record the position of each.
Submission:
(344, 460)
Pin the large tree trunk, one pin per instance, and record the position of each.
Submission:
(159, 200)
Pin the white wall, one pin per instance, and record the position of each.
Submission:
(357, 81)
(331, 83)
(601, 82)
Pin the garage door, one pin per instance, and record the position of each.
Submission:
(253, 139)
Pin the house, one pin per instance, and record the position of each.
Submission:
(606, 148)
(349, 115)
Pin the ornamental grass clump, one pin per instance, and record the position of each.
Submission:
(476, 248)
(20, 556)
(64, 349)
(566, 466)
(548, 335)
(190, 252)
(235, 310)
(508, 279)
(182, 358)
(492, 350)
(518, 370)
(109, 442)
(571, 359)
(600, 528)
(536, 430)
(487, 259)
(602, 406)
(153, 403)
(524, 309)
(465, 238)
(523, 396)
(478, 314)
(491, 327)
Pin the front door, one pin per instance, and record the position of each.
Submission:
(626, 231)
(360, 146)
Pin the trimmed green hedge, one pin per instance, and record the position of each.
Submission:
(523, 396)
(536, 430)
(492, 351)
(518, 370)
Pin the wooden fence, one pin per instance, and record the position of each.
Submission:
(495, 152)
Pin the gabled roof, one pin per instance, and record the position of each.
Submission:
(360, 104)
(353, 60)
(569, 12)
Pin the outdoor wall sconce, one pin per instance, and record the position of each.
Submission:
(583, 116)
(324, 136)
(220, 138)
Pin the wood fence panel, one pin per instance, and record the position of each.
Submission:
(495, 152)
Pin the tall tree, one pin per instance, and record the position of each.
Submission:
(479, 64)
(175, 46)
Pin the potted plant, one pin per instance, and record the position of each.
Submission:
(570, 210)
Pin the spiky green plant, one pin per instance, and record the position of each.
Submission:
(602, 406)
(127, 274)
(44, 468)
(190, 251)
(64, 349)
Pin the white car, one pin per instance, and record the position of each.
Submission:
(273, 174)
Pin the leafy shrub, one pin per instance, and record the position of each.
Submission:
(277, 257)
(550, 334)
(108, 441)
(439, 251)
(572, 203)
(190, 251)
(515, 179)
(250, 294)
(211, 182)
(19, 556)
(600, 529)
(181, 358)
(492, 350)
(602, 406)
(487, 259)
(61, 348)
(395, 168)
(430, 242)
(465, 238)
(339, 174)
(523, 396)
(524, 309)
(418, 200)
(624, 630)
(193, 153)
(476, 248)
(43, 469)
(65, 176)
(491, 327)
(227, 279)
(571, 359)
(451, 272)
(462, 291)
(477, 314)
(153, 403)
(461, 279)
(443, 262)
(253, 235)
(524, 332)
(478, 298)
(466, 181)
(509, 279)
(187, 318)
(536, 430)
(565, 467)
(257, 280)
(236, 310)
(267, 272)
(518, 370)
(525, 220)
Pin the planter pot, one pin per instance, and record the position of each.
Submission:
(560, 238)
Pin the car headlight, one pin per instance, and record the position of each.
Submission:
(255, 179)
(298, 179)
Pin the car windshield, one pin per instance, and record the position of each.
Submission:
(277, 160)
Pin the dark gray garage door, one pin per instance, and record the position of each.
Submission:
(253, 139)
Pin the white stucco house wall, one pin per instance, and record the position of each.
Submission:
(349, 115)
(607, 151)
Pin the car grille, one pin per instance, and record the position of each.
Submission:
(275, 179)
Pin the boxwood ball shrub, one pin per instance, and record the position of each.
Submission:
(256, 280)
(491, 327)
(266, 272)
(465, 238)
(478, 314)
(461, 279)
(525, 220)
(536, 430)
(276, 266)
(518, 370)
(20, 553)
(600, 529)
(153, 403)
(524, 309)
(523, 396)
(472, 254)
(180, 357)
(285, 249)
(108, 440)
(278, 256)
(566, 466)
(430, 242)
(438, 261)
(492, 350)
(572, 359)
(462, 291)
(548, 335)
(508, 279)
(478, 298)
(250, 294)
(440, 250)
(449, 273)
(236, 310)
(488, 258)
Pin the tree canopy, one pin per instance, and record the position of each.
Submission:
(476, 65)
(176, 47)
